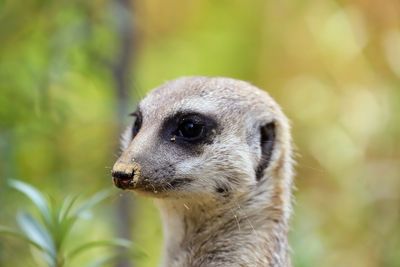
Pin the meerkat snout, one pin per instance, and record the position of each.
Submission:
(125, 174)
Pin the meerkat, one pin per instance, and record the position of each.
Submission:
(216, 154)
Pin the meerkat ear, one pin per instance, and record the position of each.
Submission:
(267, 141)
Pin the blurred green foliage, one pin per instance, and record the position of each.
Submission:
(49, 236)
(333, 65)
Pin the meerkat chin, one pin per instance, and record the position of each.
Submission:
(216, 154)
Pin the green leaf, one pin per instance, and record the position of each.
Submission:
(93, 201)
(8, 231)
(66, 207)
(101, 243)
(106, 259)
(63, 222)
(35, 232)
(34, 195)
(100, 262)
(66, 226)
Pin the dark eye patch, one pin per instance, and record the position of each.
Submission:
(188, 128)
(267, 142)
(138, 122)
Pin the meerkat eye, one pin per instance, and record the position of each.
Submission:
(191, 130)
(137, 124)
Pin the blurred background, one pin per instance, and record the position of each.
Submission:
(71, 71)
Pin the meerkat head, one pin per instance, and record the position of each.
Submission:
(203, 137)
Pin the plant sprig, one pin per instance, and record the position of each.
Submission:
(49, 234)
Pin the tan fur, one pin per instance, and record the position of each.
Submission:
(246, 227)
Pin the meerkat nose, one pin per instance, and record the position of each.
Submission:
(125, 175)
(122, 175)
(123, 171)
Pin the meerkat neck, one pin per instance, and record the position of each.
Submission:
(242, 229)
(207, 233)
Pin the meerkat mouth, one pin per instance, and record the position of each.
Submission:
(123, 184)
(147, 186)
